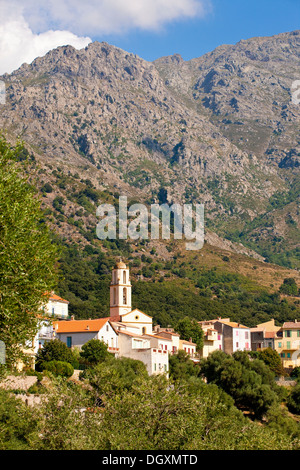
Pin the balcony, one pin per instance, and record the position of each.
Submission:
(113, 350)
(48, 335)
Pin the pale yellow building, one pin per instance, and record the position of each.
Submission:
(287, 344)
(212, 340)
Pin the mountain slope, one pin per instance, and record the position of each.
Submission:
(207, 131)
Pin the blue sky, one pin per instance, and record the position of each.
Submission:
(148, 28)
(230, 21)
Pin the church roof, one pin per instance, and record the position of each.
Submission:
(135, 310)
(120, 265)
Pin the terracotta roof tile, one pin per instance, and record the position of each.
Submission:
(55, 297)
(79, 326)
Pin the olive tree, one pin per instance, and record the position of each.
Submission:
(27, 255)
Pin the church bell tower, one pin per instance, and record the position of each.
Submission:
(120, 291)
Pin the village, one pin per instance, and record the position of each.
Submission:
(131, 333)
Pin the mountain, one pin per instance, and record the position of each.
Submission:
(221, 130)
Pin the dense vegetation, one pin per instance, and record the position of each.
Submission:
(116, 406)
(222, 403)
(200, 294)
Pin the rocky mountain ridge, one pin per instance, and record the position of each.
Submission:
(220, 130)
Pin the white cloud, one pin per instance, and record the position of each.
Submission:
(109, 16)
(32, 28)
(18, 44)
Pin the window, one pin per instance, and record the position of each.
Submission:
(246, 335)
(124, 296)
(237, 344)
(288, 333)
(288, 355)
(279, 344)
(288, 345)
(69, 341)
(52, 309)
(124, 277)
(115, 296)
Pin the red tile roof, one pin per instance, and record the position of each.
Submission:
(55, 297)
(79, 326)
(291, 325)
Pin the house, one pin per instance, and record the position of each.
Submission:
(189, 347)
(139, 347)
(236, 337)
(175, 343)
(75, 333)
(263, 335)
(212, 339)
(287, 344)
(160, 342)
(170, 334)
(56, 306)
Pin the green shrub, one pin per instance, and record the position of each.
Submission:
(293, 401)
(55, 350)
(61, 368)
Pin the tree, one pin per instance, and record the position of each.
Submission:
(182, 367)
(27, 255)
(115, 375)
(54, 350)
(289, 287)
(190, 329)
(94, 351)
(272, 359)
(17, 422)
(293, 401)
(236, 376)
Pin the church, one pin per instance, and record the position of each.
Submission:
(120, 303)
(127, 332)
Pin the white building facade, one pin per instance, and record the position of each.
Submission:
(75, 333)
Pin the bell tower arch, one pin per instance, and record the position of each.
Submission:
(120, 290)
